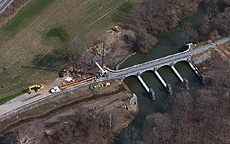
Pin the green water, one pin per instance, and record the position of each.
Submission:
(161, 104)
(167, 45)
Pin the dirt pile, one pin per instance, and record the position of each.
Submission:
(113, 47)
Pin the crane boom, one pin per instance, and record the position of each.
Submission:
(102, 70)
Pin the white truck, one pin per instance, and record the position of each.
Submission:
(55, 89)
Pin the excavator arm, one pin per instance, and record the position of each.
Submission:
(97, 64)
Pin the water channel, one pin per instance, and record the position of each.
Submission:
(167, 45)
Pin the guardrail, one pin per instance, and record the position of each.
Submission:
(150, 62)
(9, 2)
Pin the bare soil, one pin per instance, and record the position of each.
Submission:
(111, 48)
(110, 103)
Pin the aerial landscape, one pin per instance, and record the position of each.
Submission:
(114, 71)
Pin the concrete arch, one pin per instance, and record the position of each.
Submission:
(150, 91)
(182, 61)
(148, 71)
(185, 62)
(165, 66)
(192, 67)
(130, 76)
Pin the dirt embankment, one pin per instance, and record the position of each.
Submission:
(99, 113)
(12, 10)
(113, 48)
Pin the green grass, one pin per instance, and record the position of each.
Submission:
(206, 42)
(216, 39)
(122, 14)
(5, 99)
(200, 44)
(24, 16)
(41, 30)
(51, 61)
(59, 33)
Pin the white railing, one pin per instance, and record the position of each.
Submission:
(150, 62)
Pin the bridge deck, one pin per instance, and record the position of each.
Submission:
(155, 64)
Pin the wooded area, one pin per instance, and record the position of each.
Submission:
(153, 17)
(195, 117)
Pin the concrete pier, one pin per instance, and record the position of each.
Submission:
(177, 73)
(186, 84)
(200, 75)
(150, 91)
(160, 78)
(194, 68)
(166, 85)
(169, 89)
(143, 83)
(152, 94)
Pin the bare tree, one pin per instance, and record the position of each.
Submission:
(25, 138)
(72, 53)
(222, 22)
(188, 34)
(129, 136)
(30, 133)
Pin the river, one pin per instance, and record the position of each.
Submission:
(167, 45)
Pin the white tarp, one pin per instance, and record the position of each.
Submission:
(68, 79)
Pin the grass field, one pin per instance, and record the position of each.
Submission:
(24, 42)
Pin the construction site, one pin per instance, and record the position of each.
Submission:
(123, 71)
(74, 77)
(41, 52)
(88, 71)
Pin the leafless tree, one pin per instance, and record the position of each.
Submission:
(222, 22)
(188, 34)
(30, 133)
(25, 138)
(129, 136)
(73, 54)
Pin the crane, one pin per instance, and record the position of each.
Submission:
(102, 70)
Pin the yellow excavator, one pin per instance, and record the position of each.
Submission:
(116, 29)
(64, 72)
(36, 88)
